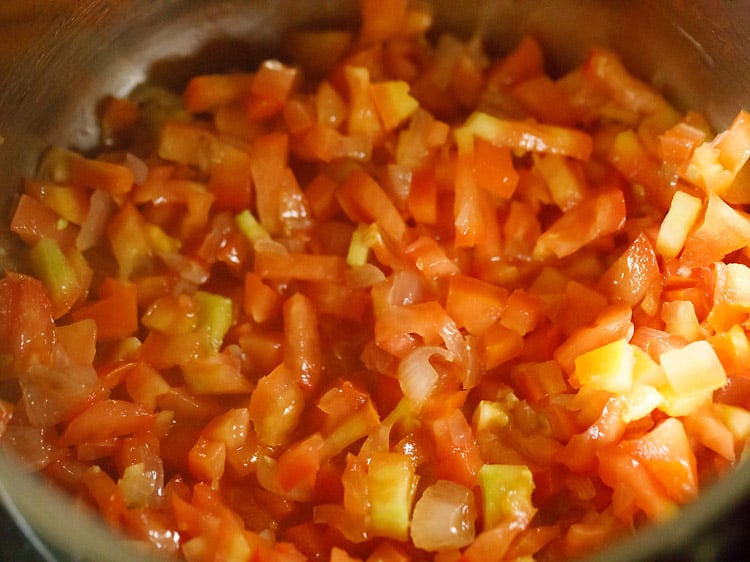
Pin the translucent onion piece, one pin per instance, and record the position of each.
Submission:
(51, 393)
(188, 269)
(137, 166)
(416, 375)
(443, 517)
(137, 485)
(407, 288)
(454, 341)
(101, 207)
(30, 445)
(472, 373)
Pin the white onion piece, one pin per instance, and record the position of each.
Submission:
(454, 341)
(137, 166)
(32, 445)
(52, 393)
(137, 485)
(443, 518)
(101, 207)
(188, 269)
(399, 180)
(417, 376)
(407, 288)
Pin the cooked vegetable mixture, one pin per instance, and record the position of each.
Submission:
(386, 300)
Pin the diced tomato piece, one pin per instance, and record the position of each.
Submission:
(307, 267)
(302, 348)
(298, 466)
(457, 455)
(106, 419)
(612, 324)
(635, 275)
(230, 180)
(546, 100)
(270, 89)
(393, 299)
(620, 470)
(99, 174)
(78, 340)
(208, 91)
(593, 218)
(27, 331)
(276, 407)
(106, 494)
(607, 69)
(32, 221)
(116, 311)
(474, 304)
(580, 452)
(381, 20)
(722, 231)
(491, 543)
(524, 62)
(364, 200)
(531, 137)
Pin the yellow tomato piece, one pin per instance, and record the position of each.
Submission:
(677, 223)
(609, 367)
(693, 372)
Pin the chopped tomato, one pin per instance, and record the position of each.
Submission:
(27, 330)
(105, 420)
(393, 298)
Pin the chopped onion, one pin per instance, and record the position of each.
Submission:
(407, 288)
(443, 518)
(399, 178)
(101, 207)
(31, 445)
(416, 375)
(137, 166)
(136, 485)
(51, 393)
(454, 341)
(188, 269)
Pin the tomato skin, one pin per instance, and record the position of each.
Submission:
(27, 332)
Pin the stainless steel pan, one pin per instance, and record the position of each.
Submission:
(59, 57)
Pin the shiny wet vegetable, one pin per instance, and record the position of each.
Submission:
(385, 299)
